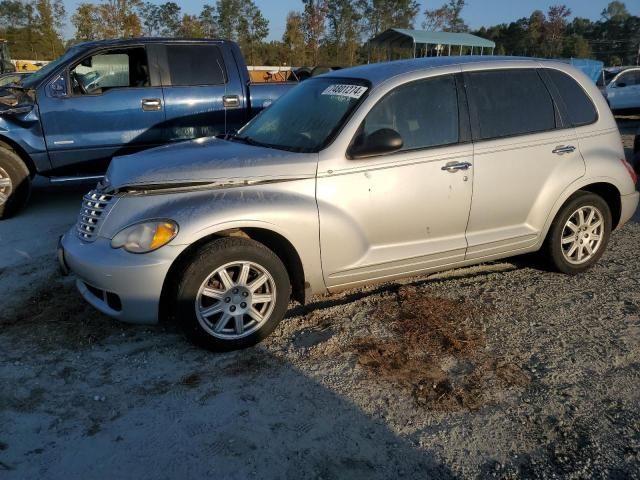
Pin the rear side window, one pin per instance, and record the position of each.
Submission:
(424, 113)
(579, 106)
(195, 65)
(509, 102)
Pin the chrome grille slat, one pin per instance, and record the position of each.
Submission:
(94, 204)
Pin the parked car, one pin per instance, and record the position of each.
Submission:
(621, 88)
(67, 120)
(359, 176)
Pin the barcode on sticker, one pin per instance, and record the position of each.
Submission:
(352, 91)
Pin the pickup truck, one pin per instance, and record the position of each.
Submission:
(114, 97)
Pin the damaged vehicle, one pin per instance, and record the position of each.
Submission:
(362, 175)
(112, 98)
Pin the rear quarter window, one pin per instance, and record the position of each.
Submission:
(579, 106)
(509, 102)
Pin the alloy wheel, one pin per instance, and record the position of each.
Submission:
(582, 235)
(236, 300)
(6, 186)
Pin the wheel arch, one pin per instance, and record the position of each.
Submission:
(610, 194)
(274, 241)
(8, 144)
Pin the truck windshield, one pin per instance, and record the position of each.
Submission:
(308, 117)
(32, 80)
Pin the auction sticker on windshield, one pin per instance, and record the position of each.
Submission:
(351, 91)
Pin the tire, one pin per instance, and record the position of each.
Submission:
(204, 300)
(15, 183)
(561, 254)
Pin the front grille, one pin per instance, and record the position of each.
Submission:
(94, 206)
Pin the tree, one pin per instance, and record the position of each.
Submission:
(253, 28)
(615, 11)
(227, 18)
(313, 26)
(191, 27)
(381, 15)
(50, 17)
(207, 19)
(446, 18)
(86, 22)
(119, 18)
(293, 40)
(577, 47)
(554, 29)
(343, 34)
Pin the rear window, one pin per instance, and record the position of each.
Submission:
(580, 107)
(510, 102)
(195, 65)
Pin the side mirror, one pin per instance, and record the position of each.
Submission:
(621, 84)
(385, 140)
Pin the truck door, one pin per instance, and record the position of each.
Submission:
(202, 91)
(111, 106)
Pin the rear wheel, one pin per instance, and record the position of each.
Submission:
(233, 294)
(15, 183)
(579, 234)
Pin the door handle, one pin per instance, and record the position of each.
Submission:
(562, 149)
(452, 167)
(151, 104)
(231, 101)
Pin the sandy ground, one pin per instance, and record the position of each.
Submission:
(504, 370)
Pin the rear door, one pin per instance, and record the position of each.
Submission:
(112, 106)
(202, 91)
(524, 157)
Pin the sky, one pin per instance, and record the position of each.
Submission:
(477, 13)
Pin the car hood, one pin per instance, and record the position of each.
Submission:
(207, 161)
(14, 100)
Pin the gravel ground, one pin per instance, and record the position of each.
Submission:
(503, 370)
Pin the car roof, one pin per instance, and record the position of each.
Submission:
(378, 73)
(146, 40)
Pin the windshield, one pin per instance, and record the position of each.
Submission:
(308, 116)
(32, 80)
(605, 78)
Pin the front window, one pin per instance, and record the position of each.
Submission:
(109, 69)
(308, 117)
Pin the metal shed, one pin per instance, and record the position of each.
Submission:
(419, 42)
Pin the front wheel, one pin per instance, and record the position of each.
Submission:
(232, 294)
(15, 183)
(579, 234)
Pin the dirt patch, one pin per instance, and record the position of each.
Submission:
(436, 351)
(55, 315)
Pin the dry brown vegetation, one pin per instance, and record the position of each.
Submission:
(435, 350)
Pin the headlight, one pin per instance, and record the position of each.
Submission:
(146, 236)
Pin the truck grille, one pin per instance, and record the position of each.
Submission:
(94, 206)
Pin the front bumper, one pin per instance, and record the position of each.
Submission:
(120, 284)
(628, 204)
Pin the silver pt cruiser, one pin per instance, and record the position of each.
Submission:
(363, 175)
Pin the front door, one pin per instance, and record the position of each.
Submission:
(393, 215)
(624, 91)
(523, 159)
(111, 108)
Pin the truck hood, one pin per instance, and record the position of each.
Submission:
(204, 162)
(15, 100)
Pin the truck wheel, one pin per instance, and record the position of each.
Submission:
(579, 234)
(232, 294)
(15, 183)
